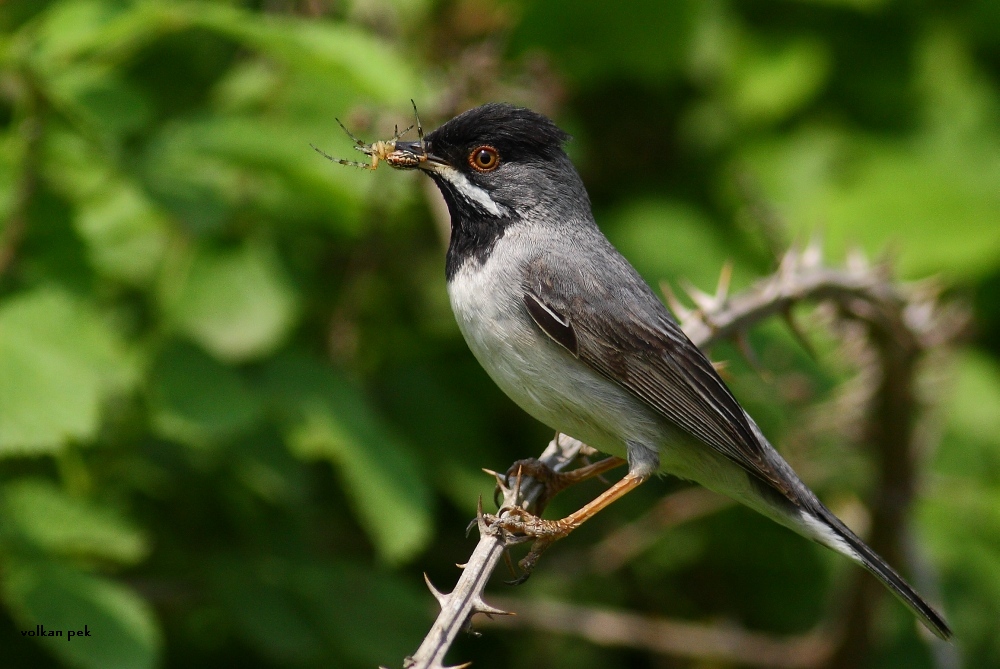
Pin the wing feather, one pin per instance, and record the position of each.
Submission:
(633, 341)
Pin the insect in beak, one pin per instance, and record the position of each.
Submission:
(400, 155)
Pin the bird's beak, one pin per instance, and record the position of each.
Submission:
(413, 155)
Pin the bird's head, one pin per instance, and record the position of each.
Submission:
(500, 161)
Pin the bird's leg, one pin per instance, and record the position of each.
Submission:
(552, 481)
(517, 521)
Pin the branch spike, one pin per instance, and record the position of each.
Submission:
(680, 311)
(857, 261)
(441, 597)
(812, 257)
(725, 278)
(885, 263)
(800, 336)
(702, 300)
(743, 343)
(788, 263)
(501, 479)
(479, 606)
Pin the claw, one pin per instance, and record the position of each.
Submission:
(525, 575)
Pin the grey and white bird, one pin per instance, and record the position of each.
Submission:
(571, 332)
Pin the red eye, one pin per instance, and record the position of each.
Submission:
(484, 158)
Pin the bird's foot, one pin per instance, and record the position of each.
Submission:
(518, 525)
(552, 482)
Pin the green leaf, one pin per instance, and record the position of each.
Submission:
(770, 84)
(592, 39)
(124, 633)
(96, 96)
(112, 32)
(355, 604)
(272, 617)
(372, 64)
(196, 400)
(125, 232)
(667, 240)
(306, 612)
(204, 167)
(70, 28)
(59, 362)
(50, 519)
(329, 419)
(126, 235)
(238, 304)
(11, 160)
(935, 205)
(974, 409)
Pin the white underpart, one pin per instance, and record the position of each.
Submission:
(539, 375)
(827, 536)
(467, 189)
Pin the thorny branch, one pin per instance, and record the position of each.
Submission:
(902, 322)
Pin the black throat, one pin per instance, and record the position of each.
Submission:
(474, 232)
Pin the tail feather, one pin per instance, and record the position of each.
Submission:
(833, 533)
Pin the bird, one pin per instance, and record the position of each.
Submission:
(568, 329)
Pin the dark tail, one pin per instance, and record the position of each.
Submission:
(870, 560)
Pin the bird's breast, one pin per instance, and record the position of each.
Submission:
(539, 375)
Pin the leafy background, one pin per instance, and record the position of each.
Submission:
(237, 420)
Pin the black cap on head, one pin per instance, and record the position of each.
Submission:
(517, 133)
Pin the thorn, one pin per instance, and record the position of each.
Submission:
(722, 288)
(681, 312)
(788, 263)
(479, 521)
(501, 489)
(885, 264)
(928, 289)
(813, 255)
(459, 666)
(461, 565)
(797, 333)
(517, 485)
(702, 300)
(479, 606)
(722, 368)
(857, 261)
(441, 597)
(744, 345)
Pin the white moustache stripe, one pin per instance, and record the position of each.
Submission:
(468, 190)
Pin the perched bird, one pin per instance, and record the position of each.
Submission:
(571, 332)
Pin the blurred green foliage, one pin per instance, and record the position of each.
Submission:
(236, 417)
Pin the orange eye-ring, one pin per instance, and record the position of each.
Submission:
(484, 158)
